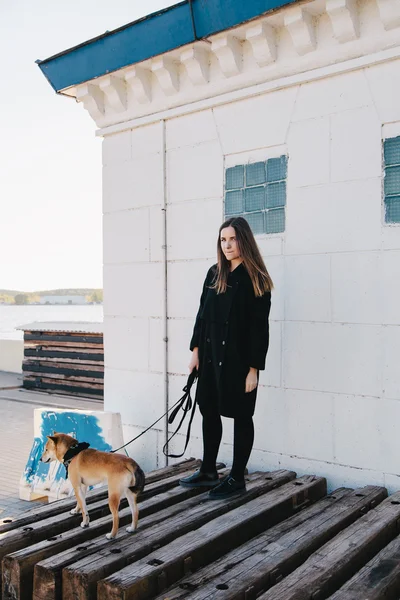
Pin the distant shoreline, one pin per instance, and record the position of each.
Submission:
(76, 296)
(52, 304)
(12, 316)
(58, 292)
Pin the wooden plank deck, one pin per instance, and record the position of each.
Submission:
(284, 539)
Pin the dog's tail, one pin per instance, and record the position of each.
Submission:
(139, 480)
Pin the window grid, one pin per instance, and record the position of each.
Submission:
(391, 152)
(257, 192)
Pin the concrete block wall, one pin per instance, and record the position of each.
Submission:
(329, 399)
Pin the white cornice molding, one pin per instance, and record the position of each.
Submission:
(92, 98)
(139, 80)
(196, 59)
(115, 90)
(389, 11)
(228, 50)
(344, 18)
(274, 47)
(355, 64)
(167, 73)
(263, 43)
(300, 25)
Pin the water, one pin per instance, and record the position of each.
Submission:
(13, 316)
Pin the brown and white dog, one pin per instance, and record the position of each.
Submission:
(89, 467)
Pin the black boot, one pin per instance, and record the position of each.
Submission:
(227, 488)
(200, 479)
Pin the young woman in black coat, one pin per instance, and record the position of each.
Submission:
(229, 348)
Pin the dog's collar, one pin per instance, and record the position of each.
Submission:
(72, 452)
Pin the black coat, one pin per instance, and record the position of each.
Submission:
(232, 334)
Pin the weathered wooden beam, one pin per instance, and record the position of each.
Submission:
(98, 385)
(90, 348)
(63, 375)
(149, 576)
(59, 352)
(51, 365)
(338, 560)
(50, 360)
(63, 337)
(56, 332)
(96, 398)
(82, 577)
(96, 390)
(18, 567)
(378, 580)
(61, 344)
(254, 567)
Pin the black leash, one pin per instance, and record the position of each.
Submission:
(186, 398)
(186, 403)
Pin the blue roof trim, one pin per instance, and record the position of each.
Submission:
(131, 44)
(212, 16)
(153, 35)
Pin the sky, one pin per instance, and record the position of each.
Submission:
(50, 159)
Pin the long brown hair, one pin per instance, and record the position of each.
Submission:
(250, 255)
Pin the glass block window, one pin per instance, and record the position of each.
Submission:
(391, 152)
(257, 192)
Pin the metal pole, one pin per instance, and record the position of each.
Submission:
(165, 285)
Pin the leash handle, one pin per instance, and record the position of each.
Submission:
(186, 403)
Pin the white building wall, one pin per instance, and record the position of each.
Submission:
(11, 355)
(133, 188)
(329, 400)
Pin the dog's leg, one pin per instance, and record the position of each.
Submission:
(131, 497)
(80, 491)
(77, 509)
(113, 503)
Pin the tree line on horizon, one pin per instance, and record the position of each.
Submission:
(20, 298)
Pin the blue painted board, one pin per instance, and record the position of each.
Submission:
(85, 428)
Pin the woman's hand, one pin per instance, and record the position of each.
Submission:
(194, 361)
(251, 380)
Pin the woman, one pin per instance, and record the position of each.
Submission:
(229, 347)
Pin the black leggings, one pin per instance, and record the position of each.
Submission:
(242, 444)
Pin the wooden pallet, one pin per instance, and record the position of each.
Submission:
(285, 539)
(64, 362)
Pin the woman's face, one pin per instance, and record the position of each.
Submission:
(229, 244)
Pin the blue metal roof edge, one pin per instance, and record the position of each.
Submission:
(150, 36)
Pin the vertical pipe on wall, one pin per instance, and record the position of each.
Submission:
(165, 285)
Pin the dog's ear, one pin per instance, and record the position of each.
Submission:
(52, 438)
